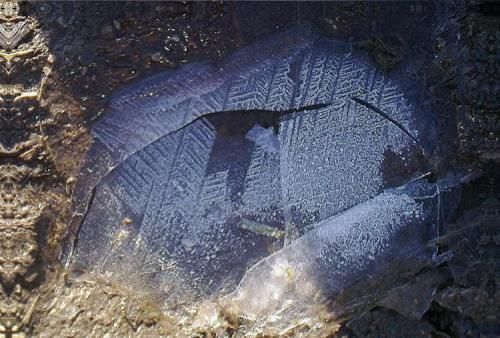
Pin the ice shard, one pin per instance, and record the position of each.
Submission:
(349, 248)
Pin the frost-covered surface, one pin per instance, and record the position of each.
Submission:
(174, 179)
(265, 138)
(343, 250)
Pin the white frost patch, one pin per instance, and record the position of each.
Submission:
(264, 137)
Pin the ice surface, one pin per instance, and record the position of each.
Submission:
(186, 155)
(265, 138)
(346, 248)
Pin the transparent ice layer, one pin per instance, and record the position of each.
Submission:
(199, 173)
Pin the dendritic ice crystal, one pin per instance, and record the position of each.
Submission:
(194, 169)
(217, 165)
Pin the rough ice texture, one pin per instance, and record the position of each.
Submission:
(343, 249)
(185, 174)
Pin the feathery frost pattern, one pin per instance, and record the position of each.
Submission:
(213, 173)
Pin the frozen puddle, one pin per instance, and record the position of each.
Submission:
(271, 173)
